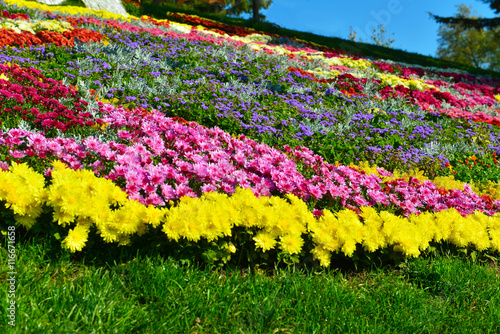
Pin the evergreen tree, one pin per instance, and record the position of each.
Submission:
(475, 47)
(476, 23)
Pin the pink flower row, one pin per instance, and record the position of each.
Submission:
(157, 159)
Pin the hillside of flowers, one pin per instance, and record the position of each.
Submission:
(235, 143)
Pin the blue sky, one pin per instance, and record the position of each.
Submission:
(413, 29)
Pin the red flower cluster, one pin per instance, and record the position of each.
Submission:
(28, 95)
(20, 16)
(148, 19)
(384, 67)
(67, 38)
(83, 35)
(9, 37)
(302, 72)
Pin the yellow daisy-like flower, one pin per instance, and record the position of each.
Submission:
(123, 240)
(154, 215)
(323, 255)
(265, 241)
(292, 244)
(494, 232)
(61, 217)
(108, 232)
(27, 220)
(76, 239)
(374, 239)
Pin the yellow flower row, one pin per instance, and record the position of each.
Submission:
(34, 27)
(71, 10)
(82, 200)
(489, 188)
(344, 231)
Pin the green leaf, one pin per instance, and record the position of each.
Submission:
(473, 255)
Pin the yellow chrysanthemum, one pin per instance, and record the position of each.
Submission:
(291, 244)
(27, 220)
(350, 231)
(76, 239)
(494, 232)
(324, 231)
(154, 215)
(108, 232)
(265, 241)
(481, 238)
(373, 239)
(123, 240)
(322, 255)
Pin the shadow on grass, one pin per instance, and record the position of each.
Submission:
(154, 244)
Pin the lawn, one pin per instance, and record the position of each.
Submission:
(172, 173)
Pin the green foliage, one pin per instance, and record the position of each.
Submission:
(132, 9)
(478, 169)
(478, 48)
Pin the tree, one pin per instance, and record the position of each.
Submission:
(231, 7)
(474, 47)
(378, 37)
(476, 23)
(237, 7)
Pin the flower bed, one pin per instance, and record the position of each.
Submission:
(234, 141)
(81, 199)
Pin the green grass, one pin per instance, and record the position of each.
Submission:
(122, 290)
